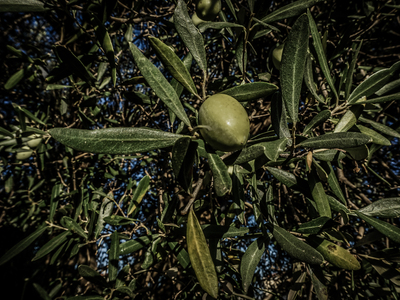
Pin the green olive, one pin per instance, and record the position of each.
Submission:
(34, 143)
(224, 123)
(25, 154)
(207, 10)
(196, 20)
(277, 56)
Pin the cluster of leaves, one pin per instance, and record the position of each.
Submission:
(104, 170)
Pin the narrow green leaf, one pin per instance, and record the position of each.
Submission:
(296, 248)
(119, 140)
(389, 230)
(319, 119)
(55, 193)
(380, 127)
(314, 226)
(251, 91)
(159, 84)
(222, 180)
(238, 207)
(15, 78)
(376, 137)
(22, 245)
(118, 220)
(249, 262)
(200, 256)
(274, 148)
(51, 245)
(218, 25)
(293, 9)
(321, 54)
(106, 210)
(335, 254)
(287, 178)
(92, 275)
(42, 292)
(190, 35)
(173, 63)
(318, 194)
(241, 53)
(5, 132)
(336, 205)
(113, 256)
(105, 41)
(383, 208)
(183, 158)
(135, 244)
(350, 71)
(292, 66)
(22, 6)
(278, 116)
(309, 80)
(336, 140)
(372, 84)
(320, 289)
(333, 182)
(74, 65)
(349, 119)
(389, 87)
(250, 153)
(392, 97)
(73, 226)
(180, 253)
(140, 191)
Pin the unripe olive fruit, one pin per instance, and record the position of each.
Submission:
(196, 20)
(34, 143)
(277, 56)
(207, 10)
(224, 123)
(24, 154)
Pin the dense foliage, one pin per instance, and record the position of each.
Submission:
(108, 190)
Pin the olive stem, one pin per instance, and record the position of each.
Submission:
(194, 195)
(203, 86)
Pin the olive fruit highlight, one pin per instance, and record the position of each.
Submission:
(207, 10)
(196, 20)
(224, 123)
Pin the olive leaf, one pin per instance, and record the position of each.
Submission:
(321, 54)
(140, 191)
(134, 245)
(349, 119)
(333, 182)
(22, 245)
(383, 208)
(290, 10)
(73, 226)
(218, 25)
(200, 256)
(190, 35)
(113, 256)
(159, 84)
(373, 83)
(106, 210)
(389, 230)
(335, 254)
(52, 245)
(173, 63)
(319, 119)
(292, 66)
(318, 194)
(308, 79)
(250, 260)
(295, 247)
(381, 127)
(116, 140)
(278, 116)
(314, 226)
(376, 137)
(74, 65)
(222, 180)
(105, 41)
(336, 140)
(92, 275)
(251, 91)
